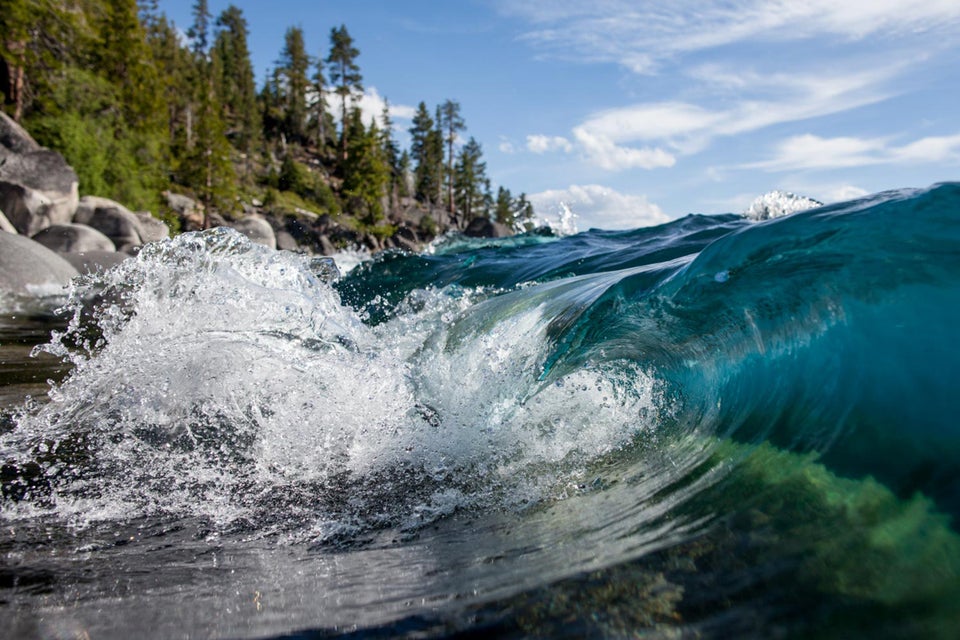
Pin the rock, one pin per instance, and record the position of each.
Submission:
(286, 242)
(112, 219)
(151, 229)
(5, 224)
(257, 229)
(28, 268)
(326, 246)
(37, 186)
(486, 228)
(187, 209)
(15, 138)
(93, 261)
(73, 238)
(37, 190)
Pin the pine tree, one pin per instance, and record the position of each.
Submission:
(125, 58)
(345, 75)
(365, 171)
(199, 32)
(470, 175)
(426, 151)
(206, 165)
(503, 207)
(234, 83)
(318, 107)
(294, 69)
(451, 123)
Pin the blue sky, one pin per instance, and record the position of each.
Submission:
(637, 112)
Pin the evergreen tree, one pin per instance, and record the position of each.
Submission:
(345, 75)
(426, 151)
(321, 120)
(174, 71)
(391, 152)
(38, 39)
(365, 171)
(125, 58)
(294, 69)
(206, 165)
(451, 123)
(503, 207)
(199, 32)
(234, 83)
(470, 179)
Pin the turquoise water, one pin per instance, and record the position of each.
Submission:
(711, 428)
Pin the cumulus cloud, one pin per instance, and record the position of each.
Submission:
(542, 144)
(599, 206)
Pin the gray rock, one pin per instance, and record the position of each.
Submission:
(187, 209)
(286, 241)
(28, 268)
(257, 229)
(15, 138)
(151, 229)
(5, 224)
(73, 238)
(37, 189)
(326, 246)
(486, 228)
(112, 219)
(93, 261)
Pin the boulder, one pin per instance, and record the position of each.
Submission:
(93, 261)
(487, 228)
(28, 268)
(15, 138)
(187, 209)
(151, 229)
(286, 241)
(5, 224)
(37, 186)
(112, 219)
(37, 190)
(257, 229)
(73, 238)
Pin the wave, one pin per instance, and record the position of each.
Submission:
(726, 394)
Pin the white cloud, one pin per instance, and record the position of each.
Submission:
(653, 135)
(542, 144)
(506, 146)
(371, 105)
(813, 152)
(601, 207)
(638, 34)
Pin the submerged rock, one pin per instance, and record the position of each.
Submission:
(28, 268)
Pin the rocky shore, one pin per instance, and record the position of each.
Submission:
(49, 234)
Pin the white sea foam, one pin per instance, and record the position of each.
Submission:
(776, 204)
(232, 384)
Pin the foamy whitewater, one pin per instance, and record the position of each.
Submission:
(711, 428)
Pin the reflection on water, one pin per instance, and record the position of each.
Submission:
(21, 374)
